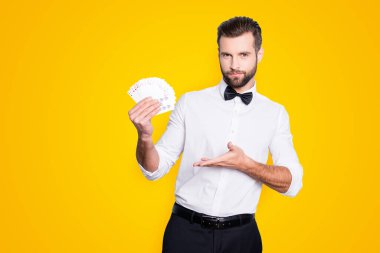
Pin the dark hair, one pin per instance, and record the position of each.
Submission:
(236, 26)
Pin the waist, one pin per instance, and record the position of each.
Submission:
(212, 222)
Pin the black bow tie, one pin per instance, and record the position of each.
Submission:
(230, 93)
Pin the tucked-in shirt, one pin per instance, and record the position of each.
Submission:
(201, 125)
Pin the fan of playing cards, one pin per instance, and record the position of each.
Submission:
(154, 87)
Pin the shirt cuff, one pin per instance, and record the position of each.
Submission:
(296, 184)
(150, 175)
(162, 169)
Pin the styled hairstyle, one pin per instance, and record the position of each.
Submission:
(236, 26)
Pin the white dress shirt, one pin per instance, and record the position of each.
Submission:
(201, 125)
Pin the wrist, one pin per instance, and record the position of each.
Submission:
(145, 138)
(246, 161)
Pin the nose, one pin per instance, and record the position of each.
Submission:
(235, 64)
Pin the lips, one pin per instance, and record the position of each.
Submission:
(235, 74)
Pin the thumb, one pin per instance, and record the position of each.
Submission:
(230, 146)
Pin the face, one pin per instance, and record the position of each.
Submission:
(238, 60)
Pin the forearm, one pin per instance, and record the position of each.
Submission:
(276, 177)
(146, 154)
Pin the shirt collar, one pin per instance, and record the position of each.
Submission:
(223, 86)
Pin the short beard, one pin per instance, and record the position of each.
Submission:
(247, 77)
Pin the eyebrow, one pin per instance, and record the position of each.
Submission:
(244, 52)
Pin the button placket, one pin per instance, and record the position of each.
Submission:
(234, 120)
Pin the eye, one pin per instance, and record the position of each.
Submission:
(225, 55)
(244, 54)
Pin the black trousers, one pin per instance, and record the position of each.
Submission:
(181, 236)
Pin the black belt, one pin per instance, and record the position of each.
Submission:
(212, 222)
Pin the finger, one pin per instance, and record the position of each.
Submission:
(198, 164)
(144, 114)
(151, 114)
(143, 109)
(139, 104)
(204, 163)
(207, 163)
(202, 159)
(211, 162)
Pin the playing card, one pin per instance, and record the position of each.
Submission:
(154, 87)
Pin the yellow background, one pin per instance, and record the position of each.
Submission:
(69, 180)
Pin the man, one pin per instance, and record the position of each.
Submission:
(225, 133)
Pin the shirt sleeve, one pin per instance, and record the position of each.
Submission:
(170, 145)
(284, 154)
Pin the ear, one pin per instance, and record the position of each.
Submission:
(260, 55)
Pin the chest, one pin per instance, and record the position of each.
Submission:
(251, 130)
